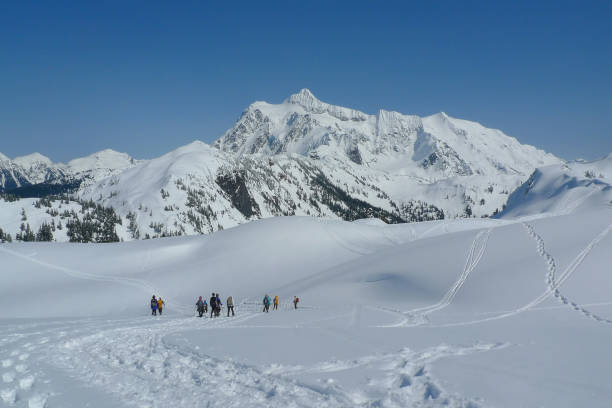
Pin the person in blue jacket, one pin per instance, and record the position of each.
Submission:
(266, 303)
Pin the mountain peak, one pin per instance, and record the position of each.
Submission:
(3, 157)
(311, 104)
(104, 159)
(304, 98)
(31, 159)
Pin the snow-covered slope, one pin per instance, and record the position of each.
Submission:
(562, 189)
(453, 313)
(200, 189)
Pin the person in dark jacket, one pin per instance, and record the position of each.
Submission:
(266, 303)
(213, 305)
(154, 306)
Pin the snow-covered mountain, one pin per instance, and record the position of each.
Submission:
(35, 169)
(450, 163)
(430, 148)
(28, 170)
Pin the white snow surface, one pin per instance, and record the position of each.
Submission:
(454, 313)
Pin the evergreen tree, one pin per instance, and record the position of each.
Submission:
(44, 233)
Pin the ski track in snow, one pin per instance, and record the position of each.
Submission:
(554, 284)
(418, 316)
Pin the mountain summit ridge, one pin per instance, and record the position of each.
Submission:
(431, 147)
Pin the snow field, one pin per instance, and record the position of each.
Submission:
(467, 313)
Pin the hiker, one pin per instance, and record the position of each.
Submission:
(160, 305)
(276, 302)
(296, 300)
(219, 305)
(266, 302)
(230, 306)
(213, 305)
(200, 305)
(154, 306)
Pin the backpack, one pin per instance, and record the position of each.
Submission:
(266, 300)
(213, 302)
(154, 303)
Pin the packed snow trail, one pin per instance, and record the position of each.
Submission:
(134, 361)
(554, 284)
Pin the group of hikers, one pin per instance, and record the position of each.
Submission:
(215, 304)
(267, 301)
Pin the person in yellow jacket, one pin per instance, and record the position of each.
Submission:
(160, 305)
(276, 302)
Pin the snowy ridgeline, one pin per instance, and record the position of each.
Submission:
(450, 313)
(197, 194)
(143, 202)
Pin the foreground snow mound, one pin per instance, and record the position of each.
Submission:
(562, 189)
(468, 313)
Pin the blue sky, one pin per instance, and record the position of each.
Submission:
(146, 77)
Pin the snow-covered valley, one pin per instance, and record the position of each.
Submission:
(465, 313)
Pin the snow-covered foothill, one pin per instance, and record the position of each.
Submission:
(563, 189)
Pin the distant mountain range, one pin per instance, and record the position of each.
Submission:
(35, 169)
(299, 157)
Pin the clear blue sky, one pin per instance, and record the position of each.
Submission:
(146, 77)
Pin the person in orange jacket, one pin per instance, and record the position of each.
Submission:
(160, 305)
(276, 302)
